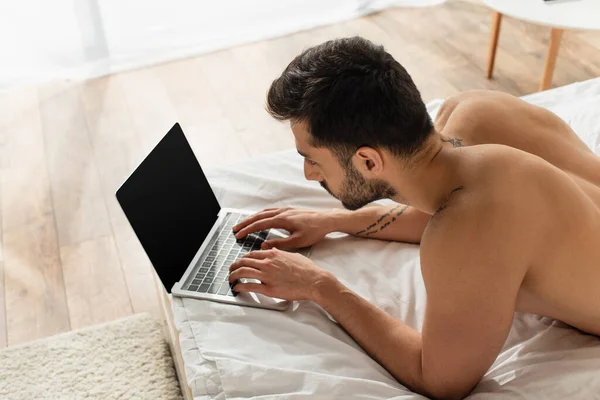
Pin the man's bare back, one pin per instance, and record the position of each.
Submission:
(562, 280)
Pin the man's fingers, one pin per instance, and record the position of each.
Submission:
(249, 262)
(251, 287)
(261, 225)
(281, 243)
(247, 273)
(258, 255)
(268, 213)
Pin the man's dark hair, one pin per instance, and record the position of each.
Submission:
(352, 93)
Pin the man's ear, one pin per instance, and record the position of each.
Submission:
(369, 161)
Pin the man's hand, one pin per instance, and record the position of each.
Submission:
(288, 276)
(306, 227)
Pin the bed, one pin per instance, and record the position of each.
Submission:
(230, 352)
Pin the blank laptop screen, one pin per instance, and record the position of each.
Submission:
(170, 206)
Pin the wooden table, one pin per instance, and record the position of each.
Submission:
(556, 14)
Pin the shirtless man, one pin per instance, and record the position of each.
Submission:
(502, 196)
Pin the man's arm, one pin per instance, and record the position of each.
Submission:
(473, 258)
(399, 223)
(473, 267)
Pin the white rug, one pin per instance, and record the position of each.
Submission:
(124, 359)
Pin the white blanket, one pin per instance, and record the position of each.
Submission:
(233, 352)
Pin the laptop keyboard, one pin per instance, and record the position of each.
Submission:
(213, 272)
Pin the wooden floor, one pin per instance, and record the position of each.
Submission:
(68, 257)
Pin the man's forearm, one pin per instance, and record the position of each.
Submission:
(398, 223)
(394, 345)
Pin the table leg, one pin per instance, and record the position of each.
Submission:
(555, 36)
(495, 32)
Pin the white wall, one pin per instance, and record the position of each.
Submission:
(48, 39)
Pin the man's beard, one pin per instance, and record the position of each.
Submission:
(357, 192)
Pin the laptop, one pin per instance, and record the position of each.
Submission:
(184, 230)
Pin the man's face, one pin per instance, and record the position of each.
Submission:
(344, 182)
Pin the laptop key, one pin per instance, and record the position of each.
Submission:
(193, 288)
(217, 266)
(211, 274)
(197, 281)
(204, 287)
(222, 275)
(224, 289)
(204, 269)
(214, 288)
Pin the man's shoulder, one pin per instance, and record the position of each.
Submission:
(480, 97)
(474, 226)
(477, 108)
(458, 215)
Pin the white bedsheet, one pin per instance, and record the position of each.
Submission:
(235, 352)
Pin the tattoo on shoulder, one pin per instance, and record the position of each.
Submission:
(368, 230)
(456, 142)
(443, 207)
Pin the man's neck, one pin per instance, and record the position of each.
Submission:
(428, 184)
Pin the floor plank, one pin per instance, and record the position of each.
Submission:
(79, 207)
(24, 181)
(3, 328)
(245, 109)
(152, 113)
(95, 286)
(34, 296)
(201, 116)
(118, 150)
(3, 331)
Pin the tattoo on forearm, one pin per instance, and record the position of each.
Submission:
(387, 213)
(456, 142)
(399, 213)
(374, 224)
(367, 231)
